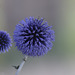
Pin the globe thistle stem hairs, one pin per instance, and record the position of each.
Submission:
(33, 36)
(5, 41)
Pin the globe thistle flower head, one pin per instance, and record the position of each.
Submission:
(5, 41)
(33, 37)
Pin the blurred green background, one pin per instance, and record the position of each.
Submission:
(59, 13)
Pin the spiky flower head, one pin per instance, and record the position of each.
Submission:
(5, 41)
(33, 37)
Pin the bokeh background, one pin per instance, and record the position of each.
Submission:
(59, 13)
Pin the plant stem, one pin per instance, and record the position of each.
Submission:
(21, 65)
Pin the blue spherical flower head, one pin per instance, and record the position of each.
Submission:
(33, 37)
(5, 41)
